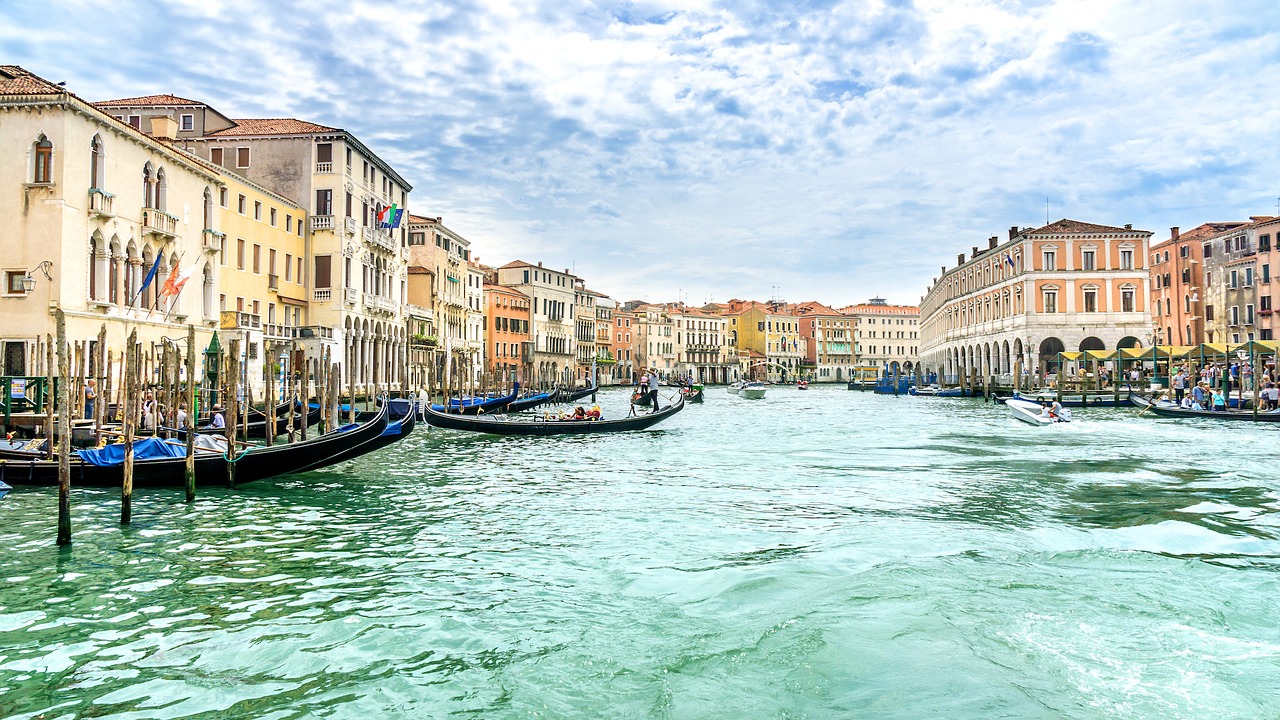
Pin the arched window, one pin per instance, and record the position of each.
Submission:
(95, 163)
(148, 187)
(117, 260)
(162, 190)
(93, 268)
(43, 171)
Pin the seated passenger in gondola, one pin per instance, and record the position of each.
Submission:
(578, 414)
(594, 413)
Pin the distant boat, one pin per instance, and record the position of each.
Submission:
(1077, 399)
(1033, 413)
(802, 385)
(936, 390)
(753, 391)
(4, 490)
(692, 393)
(735, 388)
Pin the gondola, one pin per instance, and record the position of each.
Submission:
(476, 406)
(258, 463)
(507, 425)
(640, 398)
(692, 393)
(395, 431)
(1164, 408)
(575, 395)
(532, 401)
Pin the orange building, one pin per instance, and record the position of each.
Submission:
(623, 346)
(506, 332)
(1177, 284)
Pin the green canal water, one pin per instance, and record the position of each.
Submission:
(815, 554)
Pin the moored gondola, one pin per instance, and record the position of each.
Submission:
(396, 430)
(507, 425)
(1164, 408)
(256, 463)
(476, 406)
(574, 395)
(532, 401)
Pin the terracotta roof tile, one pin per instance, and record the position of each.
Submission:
(1070, 227)
(14, 80)
(272, 126)
(160, 100)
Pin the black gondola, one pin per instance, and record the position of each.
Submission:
(475, 406)
(258, 463)
(575, 395)
(506, 425)
(533, 401)
(395, 431)
(692, 394)
(640, 398)
(1169, 409)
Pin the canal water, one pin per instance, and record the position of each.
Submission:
(814, 554)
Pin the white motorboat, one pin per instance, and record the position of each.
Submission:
(1034, 413)
(753, 391)
(733, 389)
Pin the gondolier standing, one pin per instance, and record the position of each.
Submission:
(653, 388)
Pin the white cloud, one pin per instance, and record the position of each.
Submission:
(840, 152)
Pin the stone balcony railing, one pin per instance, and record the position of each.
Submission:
(277, 331)
(313, 331)
(349, 296)
(352, 226)
(238, 320)
(321, 222)
(324, 168)
(101, 203)
(322, 294)
(158, 222)
(213, 240)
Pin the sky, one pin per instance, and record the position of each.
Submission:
(703, 150)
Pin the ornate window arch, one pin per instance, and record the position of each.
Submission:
(42, 160)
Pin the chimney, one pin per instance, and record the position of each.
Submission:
(539, 263)
(960, 259)
(975, 252)
(1173, 233)
(991, 243)
(566, 271)
(1013, 231)
(163, 126)
(1128, 226)
(944, 269)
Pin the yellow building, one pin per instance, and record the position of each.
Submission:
(767, 336)
(262, 258)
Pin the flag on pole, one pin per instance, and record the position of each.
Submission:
(1009, 259)
(151, 274)
(177, 278)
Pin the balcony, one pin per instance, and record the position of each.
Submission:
(277, 331)
(273, 281)
(349, 296)
(213, 240)
(324, 168)
(352, 226)
(237, 320)
(100, 203)
(313, 331)
(322, 295)
(321, 222)
(159, 223)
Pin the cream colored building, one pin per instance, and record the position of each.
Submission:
(93, 202)
(551, 314)
(440, 260)
(1069, 285)
(885, 336)
(356, 267)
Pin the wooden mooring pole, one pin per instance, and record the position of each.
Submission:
(233, 400)
(132, 359)
(64, 432)
(192, 384)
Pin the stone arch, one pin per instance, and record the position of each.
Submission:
(1129, 341)
(1092, 343)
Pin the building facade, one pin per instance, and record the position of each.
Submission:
(551, 317)
(828, 339)
(1177, 284)
(885, 336)
(96, 205)
(507, 340)
(1069, 285)
(355, 258)
(625, 347)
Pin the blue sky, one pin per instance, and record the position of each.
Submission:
(697, 150)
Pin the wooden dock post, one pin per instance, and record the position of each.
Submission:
(269, 395)
(100, 399)
(48, 397)
(351, 409)
(335, 399)
(300, 385)
(64, 433)
(192, 384)
(132, 360)
(233, 399)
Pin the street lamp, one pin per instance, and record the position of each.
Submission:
(29, 282)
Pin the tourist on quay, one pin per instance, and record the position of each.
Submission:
(90, 398)
(181, 420)
(1180, 384)
(1270, 397)
(1219, 402)
(149, 411)
(1198, 393)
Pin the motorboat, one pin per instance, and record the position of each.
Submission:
(4, 490)
(1034, 413)
(802, 385)
(735, 388)
(753, 391)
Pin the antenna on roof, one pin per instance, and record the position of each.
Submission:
(1046, 209)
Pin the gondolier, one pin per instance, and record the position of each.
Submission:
(653, 388)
